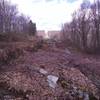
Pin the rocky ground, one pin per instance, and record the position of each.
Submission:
(51, 73)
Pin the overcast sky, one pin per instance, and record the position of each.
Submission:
(48, 14)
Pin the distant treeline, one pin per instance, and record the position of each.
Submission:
(84, 29)
(11, 21)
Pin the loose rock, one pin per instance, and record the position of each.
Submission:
(52, 80)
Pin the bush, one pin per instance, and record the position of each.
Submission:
(9, 54)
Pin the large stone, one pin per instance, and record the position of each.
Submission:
(42, 71)
(52, 80)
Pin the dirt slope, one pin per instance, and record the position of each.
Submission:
(78, 76)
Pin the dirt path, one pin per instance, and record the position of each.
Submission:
(54, 61)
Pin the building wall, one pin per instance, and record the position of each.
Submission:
(41, 33)
(54, 34)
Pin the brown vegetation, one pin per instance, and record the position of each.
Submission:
(26, 61)
(20, 77)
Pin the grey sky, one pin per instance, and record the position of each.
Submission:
(48, 14)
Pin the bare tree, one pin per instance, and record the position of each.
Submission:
(96, 21)
(84, 29)
(11, 21)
